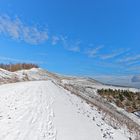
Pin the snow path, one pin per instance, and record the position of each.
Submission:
(43, 111)
(25, 112)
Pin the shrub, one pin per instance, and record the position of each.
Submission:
(18, 66)
(130, 101)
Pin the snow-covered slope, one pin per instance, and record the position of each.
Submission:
(40, 74)
(7, 77)
(87, 89)
(33, 74)
(23, 75)
(71, 111)
(42, 110)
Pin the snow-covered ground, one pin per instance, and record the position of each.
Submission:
(23, 75)
(42, 110)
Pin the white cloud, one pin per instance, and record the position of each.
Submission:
(74, 49)
(130, 59)
(93, 52)
(55, 40)
(112, 55)
(70, 45)
(16, 29)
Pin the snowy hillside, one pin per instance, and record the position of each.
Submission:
(23, 75)
(56, 107)
(43, 111)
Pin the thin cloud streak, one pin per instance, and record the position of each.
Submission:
(73, 46)
(93, 52)
(55, 40)
(130, 58)
(111, 55)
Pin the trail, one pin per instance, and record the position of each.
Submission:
(26, 113)
(42, 110)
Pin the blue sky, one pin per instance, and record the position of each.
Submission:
(96, 38)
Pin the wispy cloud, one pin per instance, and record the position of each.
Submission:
(55, 40)
(99, 52)
(73, 46)
(130, 59)
(93, 52)
(108, 56)
(16, 29)
(113, 54)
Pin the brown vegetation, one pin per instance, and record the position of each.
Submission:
(128, 100)
(18, 66)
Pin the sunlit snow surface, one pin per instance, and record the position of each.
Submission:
(42, 110)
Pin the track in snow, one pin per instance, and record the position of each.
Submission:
(44, 111)
(26, 112)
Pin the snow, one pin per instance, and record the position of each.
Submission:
(41, 110)
(23, 75)
(96, 85)
(33, 74)
(87, 86)
(137, 114)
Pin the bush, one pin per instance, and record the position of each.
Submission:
(130, 101)
(18, 66)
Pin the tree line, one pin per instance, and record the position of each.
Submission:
(18, 66)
